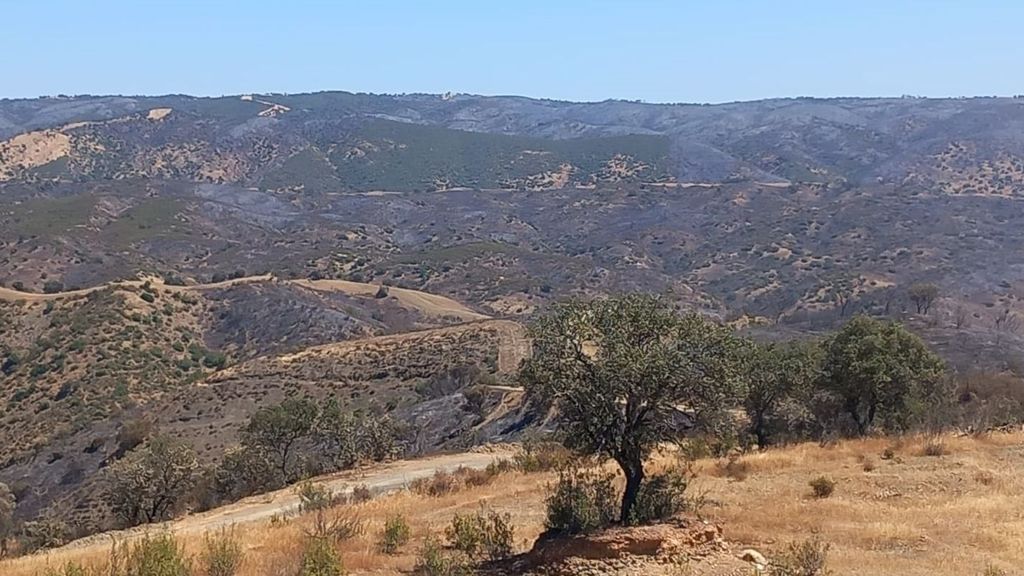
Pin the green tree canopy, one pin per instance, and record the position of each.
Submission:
(774, 374)
(151, 481)
(621, 370)
(879, 369)
(278, 430)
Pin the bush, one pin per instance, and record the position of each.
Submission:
(934, 447)
(159, 555)
(360, 494)
(221, 555)
(148, 297)
(480, 536)
(337, 528)
(580, 502)
(661, 497)
(433, 560)
(822, 486)
(441, 483)
(472, 477)
(500, 466)
(53, 287)
(808, 558)
(395, 535)
(313, 497)
(44, 533)
(541, 457)
(320, 559)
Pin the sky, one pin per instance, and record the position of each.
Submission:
(651, 50)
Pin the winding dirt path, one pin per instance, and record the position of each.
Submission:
(381, 479)
(428, 304)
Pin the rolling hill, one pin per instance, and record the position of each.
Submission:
(265, 226)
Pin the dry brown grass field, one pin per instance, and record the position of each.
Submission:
(895, 510)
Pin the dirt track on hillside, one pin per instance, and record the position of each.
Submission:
(380, 480)
(424, 302)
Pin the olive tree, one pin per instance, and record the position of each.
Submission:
(619, 371)
(774, 374)
(879, 369)
(151, 481)
(279, 431)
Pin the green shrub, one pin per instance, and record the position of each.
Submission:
(661, 497)
(581, 501)
(148, 297)
(433, 560)
(822, 486)
(159, 555)
(215, 360)
(221, 555)
(313, 497)
(321, 559)
(490, 536)
(395, 535)
(808, 558)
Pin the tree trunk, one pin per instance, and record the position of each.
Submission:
(633, 469)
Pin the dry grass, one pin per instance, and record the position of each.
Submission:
(909, 515)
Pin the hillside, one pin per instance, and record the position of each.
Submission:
(881, 520)
(265, 226)
(81, 368)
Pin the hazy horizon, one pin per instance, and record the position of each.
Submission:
(650, 50)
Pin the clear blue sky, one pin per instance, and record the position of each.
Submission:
(659, 51)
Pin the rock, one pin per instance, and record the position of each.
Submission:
(754, 557)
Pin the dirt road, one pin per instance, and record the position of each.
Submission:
(379, 479)
(426, 303)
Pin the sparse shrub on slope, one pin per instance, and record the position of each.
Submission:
(320, 558)
(822, 486)
(661, 497)
(396, 534)
(541, 456)
(313, 497)
(434, 560)
(482, 535)
(581, 501)
(221, 555)
(159, 555)
(440, 484)
(808, 558)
